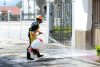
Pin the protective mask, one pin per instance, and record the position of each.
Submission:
(41, 21)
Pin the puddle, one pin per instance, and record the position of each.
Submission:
(36, 60)
(20, 44)
(1, 48)
(21, 60)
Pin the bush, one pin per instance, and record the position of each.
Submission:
(62, 30)
(97, 48)
(62, 33)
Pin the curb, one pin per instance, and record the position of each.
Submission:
(85, 60)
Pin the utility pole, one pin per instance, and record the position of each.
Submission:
(4, 2)
(4, 5)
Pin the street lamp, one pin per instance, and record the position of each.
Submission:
(0, 12)
(21, 14)
(0, 15)
(9, 15)
(9, 11)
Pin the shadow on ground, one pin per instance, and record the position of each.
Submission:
(5, 61)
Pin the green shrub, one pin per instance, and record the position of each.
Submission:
(13, 18)
(63, 30)
(97, 48)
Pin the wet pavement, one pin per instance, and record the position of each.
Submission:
(55, 55)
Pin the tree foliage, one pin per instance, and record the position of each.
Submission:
(19, 4)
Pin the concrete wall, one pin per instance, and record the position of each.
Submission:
(19, 30)
(83, 23)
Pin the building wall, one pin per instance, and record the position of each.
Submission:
(5, 17)
(83, 23)
(16, 18)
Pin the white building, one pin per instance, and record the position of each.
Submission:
(32, 8)
(86, 23)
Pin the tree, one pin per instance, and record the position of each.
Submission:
(19, 4)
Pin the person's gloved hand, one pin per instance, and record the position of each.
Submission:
(40, 33)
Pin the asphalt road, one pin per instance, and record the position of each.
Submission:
(13, 49)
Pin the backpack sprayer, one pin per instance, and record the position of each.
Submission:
(38, 44)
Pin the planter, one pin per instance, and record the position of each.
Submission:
(98, 59)
(97, 48)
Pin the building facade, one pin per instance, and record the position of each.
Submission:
(15, 13)
(86, 18)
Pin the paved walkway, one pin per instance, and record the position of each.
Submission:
(55, 55)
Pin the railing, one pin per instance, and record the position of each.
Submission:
(16, 29)
(62, 25)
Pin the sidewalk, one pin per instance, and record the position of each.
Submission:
(55, 55)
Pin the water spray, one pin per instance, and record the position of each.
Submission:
(55, 41)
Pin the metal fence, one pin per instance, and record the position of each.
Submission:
(62, 25)
(62, 22)
(19, 30)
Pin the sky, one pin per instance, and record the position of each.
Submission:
(9, 2)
